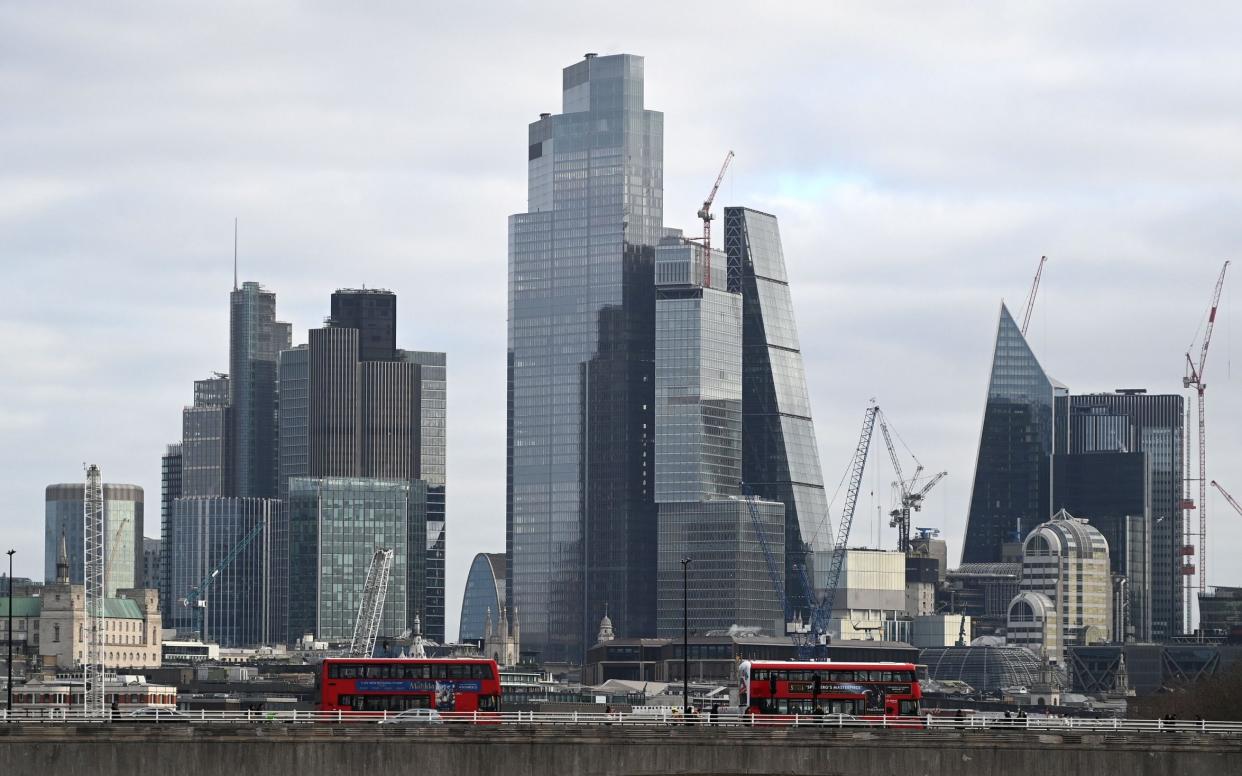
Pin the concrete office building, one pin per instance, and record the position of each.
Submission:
(1065, 560)
(870, 600)
(123, 527)
(580, 514)
(780, 456)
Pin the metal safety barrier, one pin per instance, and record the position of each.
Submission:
(662, 718)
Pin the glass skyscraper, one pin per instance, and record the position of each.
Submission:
(484, 595)
(255, 340)
(206, 434)
(580, 518)
(698, 455)
(1012, 485)
(244, 605)
(334, 525)
(352, 407)
(780, 457)
(1153, 424)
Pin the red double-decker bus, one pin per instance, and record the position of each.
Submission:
(398, 684)
(855, 689)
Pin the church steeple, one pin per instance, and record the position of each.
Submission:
(62, 561)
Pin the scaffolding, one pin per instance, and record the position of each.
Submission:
(93, 699)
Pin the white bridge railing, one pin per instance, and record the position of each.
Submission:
(638, 719)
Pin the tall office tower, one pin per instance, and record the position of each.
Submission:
(255, 340)
(335, 525)
(1112, 492)
(241, 607)
(780, 458)
(698, 453)
(483, 597)
(373, 313)
(1012, 472)
(342, 415)
(580, 519)
(1135, 421)
(206, 434)
(432, 469)
(170, 491)
(123, 521)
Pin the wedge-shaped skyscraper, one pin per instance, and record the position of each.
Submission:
(780, 459)
(1011, 494)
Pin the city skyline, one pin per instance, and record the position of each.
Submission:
(896, 224)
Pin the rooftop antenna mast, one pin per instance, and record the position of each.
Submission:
(235, 254)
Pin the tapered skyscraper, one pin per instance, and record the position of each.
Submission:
(1012, 487)
(580, 516)
(255, 341)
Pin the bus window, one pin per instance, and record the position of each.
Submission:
(459, 671)
(438, 671)
(759, 675)
(909, 708)
(481, 671)
(488, 703)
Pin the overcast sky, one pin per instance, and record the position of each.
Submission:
(920, 157)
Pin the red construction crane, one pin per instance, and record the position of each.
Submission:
(705, 213)
(1030, 299)
(1194, 379)
(1232, 502)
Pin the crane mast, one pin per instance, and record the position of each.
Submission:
(1030, 299)
(371, 610)
(1194, 379)
(837, 560)
(705, 213)
(911, 500)
(94, 698)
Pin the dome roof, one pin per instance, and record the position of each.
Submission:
(1066, 535)
(986, 668)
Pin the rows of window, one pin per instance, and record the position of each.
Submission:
(411, 671)
(835, 675)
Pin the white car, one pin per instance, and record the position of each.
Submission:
(415, 717)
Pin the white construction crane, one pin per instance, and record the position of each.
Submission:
(371, 610)
(94, 698)
(705, 213)
(911, 499)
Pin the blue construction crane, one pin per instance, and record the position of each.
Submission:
(821, 610)
(197, 597)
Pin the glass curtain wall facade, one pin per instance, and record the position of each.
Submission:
(170, 491)
(293, 415)
(244, 601)
(484, 595)
(580, 518)
(123, 528)
(335, 525)
(206, 433)
(255, 340)
(1154, 424)
(780, 457)
(432, 469)
(1112, 492)
(1011, 493)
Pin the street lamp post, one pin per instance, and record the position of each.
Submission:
(8, 687)
(685, 633)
